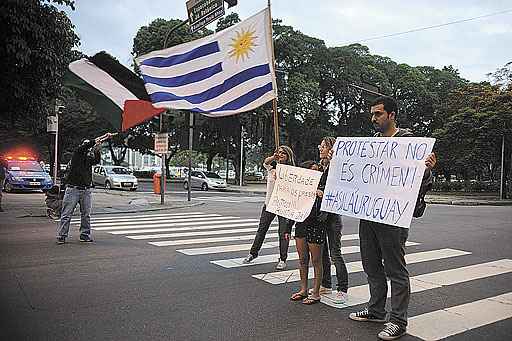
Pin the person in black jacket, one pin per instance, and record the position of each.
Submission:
(383, 246)
(3, 168)
(78, 189)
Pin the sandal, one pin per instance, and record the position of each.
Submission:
(310, 300)
(298, 296)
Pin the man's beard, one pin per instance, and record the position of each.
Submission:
(381, 129)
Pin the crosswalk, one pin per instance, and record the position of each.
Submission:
(226, 239)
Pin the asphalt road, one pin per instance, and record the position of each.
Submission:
(151, 277)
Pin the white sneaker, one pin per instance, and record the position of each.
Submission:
(248, 259)
(323, 291)
(281, 265)
(340, 297)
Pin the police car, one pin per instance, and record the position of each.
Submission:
(24, 173)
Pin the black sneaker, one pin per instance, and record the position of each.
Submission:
(86, 239)
(391, 331)
(61, 240)
(364, 316)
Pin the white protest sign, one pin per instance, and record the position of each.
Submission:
(377, 178)
(294, 192)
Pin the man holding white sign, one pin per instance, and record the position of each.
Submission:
(383, 181)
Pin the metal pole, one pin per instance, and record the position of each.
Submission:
(190, 142)
(241, 154)
(227, 161)
(162, 177)
(503, 194)
(55, 163)
(274, 101)
(172, 30)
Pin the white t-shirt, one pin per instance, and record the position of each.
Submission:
(271, 180)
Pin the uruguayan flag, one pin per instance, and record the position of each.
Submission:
(226, 73)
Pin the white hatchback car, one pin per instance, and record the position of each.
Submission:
(205, 181)
(114, 177)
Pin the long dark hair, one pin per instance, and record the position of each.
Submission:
(289, 152)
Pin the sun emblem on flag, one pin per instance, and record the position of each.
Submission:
(243, 44)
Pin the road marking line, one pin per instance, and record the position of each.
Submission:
(200, 233)
(200, 218)
(208, 227)
(227, 248)
(361, 295)
(280, 277)
(220, 239)
(443, 323)
(238, 262)
(238, 247)
(115, 216)
(187, 223)
(126, 220)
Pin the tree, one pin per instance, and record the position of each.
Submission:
(469, 142)
(35, 48)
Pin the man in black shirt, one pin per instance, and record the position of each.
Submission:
(78, 189)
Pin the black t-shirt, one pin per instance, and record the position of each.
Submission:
(80, 173)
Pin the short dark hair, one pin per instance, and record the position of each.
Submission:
(389, 104)
(308, 164)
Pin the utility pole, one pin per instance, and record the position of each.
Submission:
(503, 192)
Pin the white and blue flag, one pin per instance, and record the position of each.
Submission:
(223, 74)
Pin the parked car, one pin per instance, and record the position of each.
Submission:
(254, 176)
(205, 181)
(114, 177)
(24, 173)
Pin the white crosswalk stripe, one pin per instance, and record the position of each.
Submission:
(454, 320)
(361, 294)
(234, 223)
(231, 199)
(115, 217)
(231, 234)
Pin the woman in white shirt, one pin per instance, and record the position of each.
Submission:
(284, 155)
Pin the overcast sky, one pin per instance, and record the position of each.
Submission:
(475, 47)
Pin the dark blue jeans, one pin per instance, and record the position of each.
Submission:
(73, 197)
(332, 253)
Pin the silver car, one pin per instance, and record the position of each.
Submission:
(205, 181)
(114, 177)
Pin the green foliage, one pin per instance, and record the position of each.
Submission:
(35, 48)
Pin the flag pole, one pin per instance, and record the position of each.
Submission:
(274, 101)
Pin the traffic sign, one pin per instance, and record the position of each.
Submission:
(52, 124)
(203, 12)
(161, 143)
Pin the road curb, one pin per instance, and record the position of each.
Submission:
(469, 202)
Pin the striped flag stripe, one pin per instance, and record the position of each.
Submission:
(237, 79)
(198, 52)
(189, 78)
(241, 101)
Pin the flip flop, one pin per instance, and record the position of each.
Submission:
(298, 296)
(310, 300)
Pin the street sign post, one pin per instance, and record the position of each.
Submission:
(203, 12)
(161, 143)
(52, 124)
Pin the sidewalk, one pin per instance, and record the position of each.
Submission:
(104, 202)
